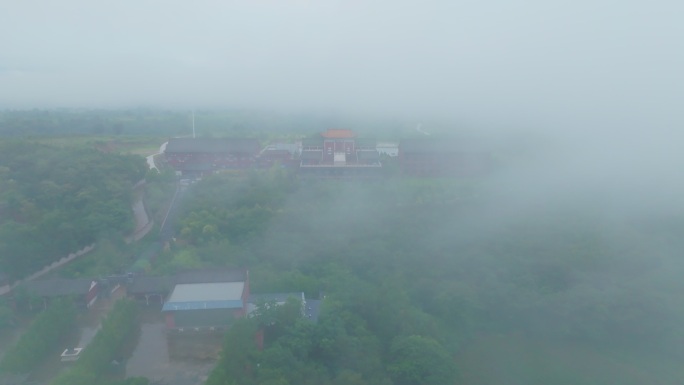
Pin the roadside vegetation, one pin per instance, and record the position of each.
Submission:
(159, 191)
(42, 338)
(7, 319)
(54, 201)
(103, 357)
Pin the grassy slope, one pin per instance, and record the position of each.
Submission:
(513, 360)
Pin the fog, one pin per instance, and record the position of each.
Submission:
(573, 234)
(569, 65)
(599, 82)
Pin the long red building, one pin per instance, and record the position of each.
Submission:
(333, 153)
(205, 155)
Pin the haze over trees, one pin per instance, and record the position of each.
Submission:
(43, 337)
(544, 270)
(562, 266)
(442, 267)
(538, 271)
(165, 123)
(96, 361)
(56, 200)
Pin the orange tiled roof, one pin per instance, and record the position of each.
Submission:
(336, 133)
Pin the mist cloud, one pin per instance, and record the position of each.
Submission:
(533, 63)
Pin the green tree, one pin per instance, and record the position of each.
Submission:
(6, 316)
(41, 339)
(237, 363)
(185, 259)
(417, 360)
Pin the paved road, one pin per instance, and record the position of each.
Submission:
(167, 228)
(141, 218)
(150, 159)
(142, 221)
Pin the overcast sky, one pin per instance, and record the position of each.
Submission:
(526, 62)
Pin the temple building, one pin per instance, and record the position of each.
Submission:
(339, 153)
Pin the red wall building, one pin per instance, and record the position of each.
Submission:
(205, 155)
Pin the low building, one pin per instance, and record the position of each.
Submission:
(310, 307)
(200, 156)
(150, 289)
(279, 153)
(206, 300)
(205, 305)
(390, 149)
(256, 300)
(84, 291)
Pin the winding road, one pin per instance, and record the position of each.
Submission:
(150, 159)
(143, 224)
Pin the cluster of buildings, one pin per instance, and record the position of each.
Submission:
(208, 300)
(334, 153)
(191, 301)
(195, 300)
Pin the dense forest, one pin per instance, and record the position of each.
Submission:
(167, 123)
(56, 200)
(22, 123)
(440, 268)
(503, 278)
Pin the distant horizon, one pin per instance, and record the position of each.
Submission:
(531, 64)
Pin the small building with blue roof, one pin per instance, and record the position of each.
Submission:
(201, 302)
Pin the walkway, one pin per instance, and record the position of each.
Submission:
(150, 159)
(143, 224)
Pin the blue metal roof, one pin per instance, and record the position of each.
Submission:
(199, 305)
